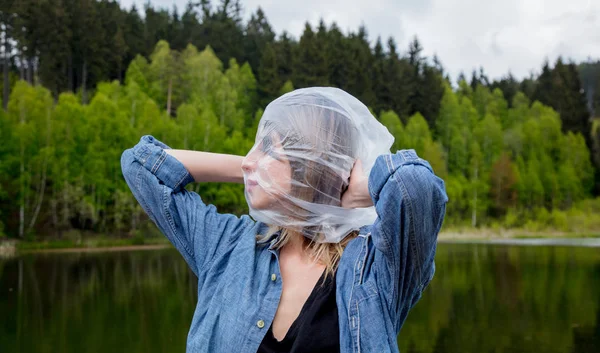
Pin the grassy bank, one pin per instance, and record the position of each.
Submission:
(490, 233)
(87, 243)
(11, 248)
(76, 241)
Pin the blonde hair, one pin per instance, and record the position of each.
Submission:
(328, 254)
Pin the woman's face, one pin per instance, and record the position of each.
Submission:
(267, 174)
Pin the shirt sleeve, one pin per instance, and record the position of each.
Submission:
(410, 202)
(158, 180)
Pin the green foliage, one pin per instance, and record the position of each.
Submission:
(514, 163)
(286, 88)
(61, 162)
(395, 127)
(504, 165)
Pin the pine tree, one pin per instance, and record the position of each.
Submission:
(508, 85)
(397, 70)
(156, 27)
(358, 58)
(258, 35)
(596, 154)
(30, 35)
(268, 75)
(310, 68)
(432, 86)
(176, 37)
(222, 30)
(381, 84)
(528, 86)
(561, 89)
(7, 22)
(285, 50)
(474, 80)
(54, 36)
(337, 57)
(133, 33)
(596, 98)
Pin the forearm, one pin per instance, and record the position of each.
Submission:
(210, 167)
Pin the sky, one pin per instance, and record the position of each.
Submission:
(499, 35)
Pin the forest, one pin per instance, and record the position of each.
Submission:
(85, 79)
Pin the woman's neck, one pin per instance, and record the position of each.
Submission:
(296, 246)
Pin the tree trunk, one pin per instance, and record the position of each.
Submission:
(20, 57)
(71, 86)
(66, 213)
(6, 63)
(22, 66)
(30, 71)
(22, 203)
(474, 212)
(54, 209)
(40, 198)
(84, 83)
(42, 187)
(169, 97)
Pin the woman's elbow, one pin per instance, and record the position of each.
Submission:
(128, 165)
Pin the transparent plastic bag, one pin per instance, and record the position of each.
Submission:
(306, 145)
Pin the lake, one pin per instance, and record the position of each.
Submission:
(484, 298)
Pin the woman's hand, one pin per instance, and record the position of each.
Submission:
(357, 195)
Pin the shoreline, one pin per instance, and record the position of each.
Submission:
(115, 248)
(11, 248)
(488, 234)
(589, 242)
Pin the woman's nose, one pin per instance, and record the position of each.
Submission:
(249, 163)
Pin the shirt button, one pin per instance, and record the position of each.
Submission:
(273, 277)
(260, 324)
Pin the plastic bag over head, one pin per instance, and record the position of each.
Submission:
(306, 145)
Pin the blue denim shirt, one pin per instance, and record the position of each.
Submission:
(380, 277)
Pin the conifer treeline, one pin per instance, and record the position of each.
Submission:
(71, 45)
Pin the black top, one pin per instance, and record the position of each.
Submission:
(316, 330)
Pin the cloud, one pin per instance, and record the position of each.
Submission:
(500, 36)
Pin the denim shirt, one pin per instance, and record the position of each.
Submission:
(380, 277)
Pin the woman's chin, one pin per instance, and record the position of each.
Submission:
(263, 204)
(256, 206)
(255, 201)
(258, 199)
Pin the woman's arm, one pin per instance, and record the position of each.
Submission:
(157, 180)
(210, 167)
(410, 203)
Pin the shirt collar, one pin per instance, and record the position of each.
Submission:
(273, 239)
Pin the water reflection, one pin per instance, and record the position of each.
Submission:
(483, 299)
(114, 302)
(508, 299)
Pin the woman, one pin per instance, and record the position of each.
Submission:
(316, 270)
